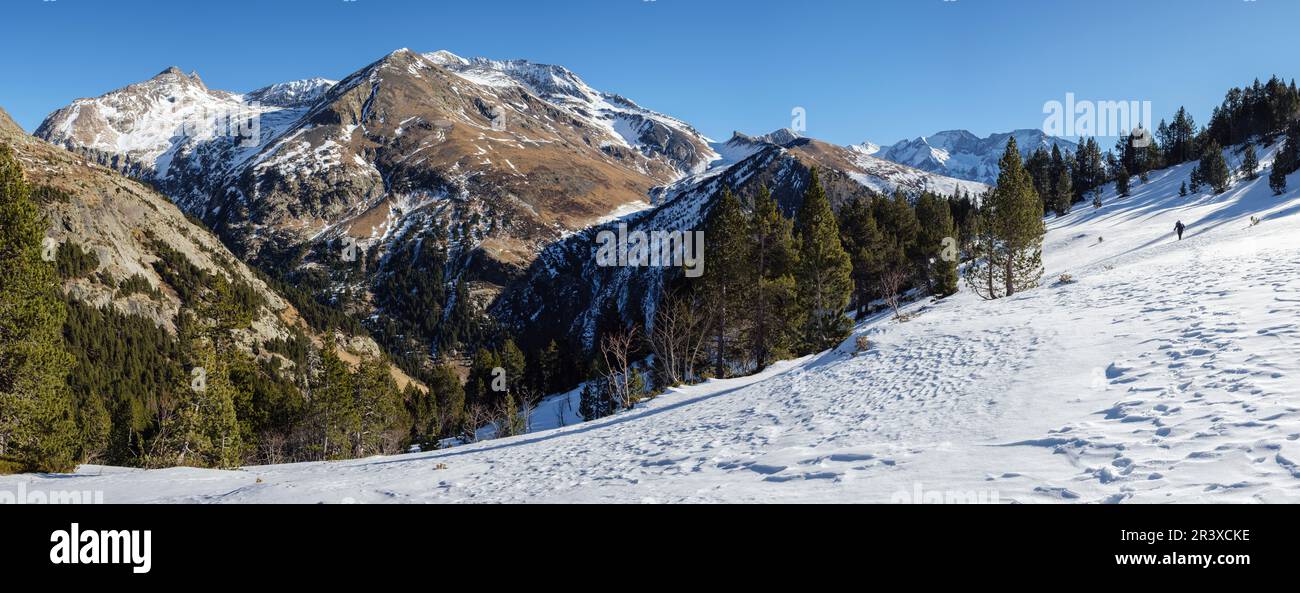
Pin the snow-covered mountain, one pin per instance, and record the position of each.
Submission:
(1162, 371)
(297, 93)
(629, 124)
(487, 163)
(961, 154)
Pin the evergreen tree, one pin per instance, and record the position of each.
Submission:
(333, 405)
(480, 393)
(550, 371)
(1090, 168)
(1250, 163)
(725, 283)
(1277, 180)
(38, 430)
(1011, 234)
(864, 243)
(445, 387)
(594, 401)
(426, 417)
(1039, 166)
(1214, 169)
(382, 420)
(898, 224)
(1122, 181)
(1182, 190)
(983, 273)
(1180, 145)
(512, 422)
(515, 364)
(773, 314)
(1286, 161)
(587, 404)
(1062, 193)
(937, 235)
(823, 271)
(202, 430)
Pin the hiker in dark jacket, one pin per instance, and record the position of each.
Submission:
(1178, 228)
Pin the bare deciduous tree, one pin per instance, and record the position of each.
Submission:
(678, 338)
(617, 349)
(892, 280)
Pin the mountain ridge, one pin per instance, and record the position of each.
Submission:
(960, 153)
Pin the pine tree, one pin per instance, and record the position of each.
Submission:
(1287, 160)
(898, 224)
(636, 386)
(480, 393)
(1214, 169)
(1011, 234)
(1277, 180)
(1062, 193)
(426, 417)
(333, 406)
(38, 430)
(823, 271)
(548, 361)
(202, 430)
(381, 418)
(1180, 147)
(445, 386)
(1090, 168)
(1250, 163)
(515, 364)
(1039, 166)
(725, 282)
(983, 273)
(594, 401)
(587, 403)
(1122, 181)
(773, 313)
(1182, 190)
(512, 422)
(937, 238)
(861, 238)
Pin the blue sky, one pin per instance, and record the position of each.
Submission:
(862, 69)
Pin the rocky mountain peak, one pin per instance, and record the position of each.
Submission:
(8, 125)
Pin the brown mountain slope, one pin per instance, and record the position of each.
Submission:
(130, 228)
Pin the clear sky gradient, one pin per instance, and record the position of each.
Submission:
(880, 70)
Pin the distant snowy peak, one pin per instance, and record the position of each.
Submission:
(960, 153)
(779, 137)
(742, 146)
(298, 93)
(140, 120)
(866, 148)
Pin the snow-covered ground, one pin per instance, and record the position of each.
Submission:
(1167, 371)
